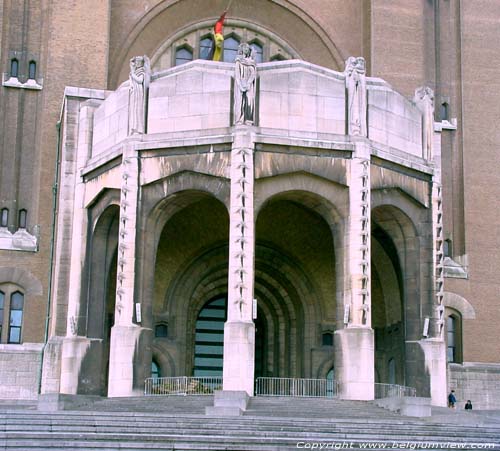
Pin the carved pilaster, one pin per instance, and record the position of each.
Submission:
(239, 330)
(358, 242)
(127, 241)
(125, 334)
(438, 257)
(354, 344)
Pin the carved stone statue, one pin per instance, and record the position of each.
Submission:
(424, 99)
(244, 85)
(139, 83)
(356, 95)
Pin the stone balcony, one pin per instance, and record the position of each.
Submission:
(298, 103)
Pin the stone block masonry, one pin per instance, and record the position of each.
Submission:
(20, 370)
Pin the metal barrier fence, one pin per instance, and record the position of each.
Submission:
(310, 388)
(182, 385)
(393, 391)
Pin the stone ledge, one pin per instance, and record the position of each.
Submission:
(21, 240)
(13, 82)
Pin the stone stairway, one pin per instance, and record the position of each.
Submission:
(178, 423)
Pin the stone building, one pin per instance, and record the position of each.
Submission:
(345, 225)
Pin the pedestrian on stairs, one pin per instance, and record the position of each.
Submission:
(452, 400)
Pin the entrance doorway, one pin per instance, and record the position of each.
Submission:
(209, 340)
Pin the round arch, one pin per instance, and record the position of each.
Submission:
(146, 34)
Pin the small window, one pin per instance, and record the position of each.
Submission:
(161, 331)
(32, 70)
(22, 218)
(392, 371)
(258, 52)
(231, 45)
(444, 111)
(14, 68)
(206, 48)
(16, 317)
(4, 217)
(183, 55)
(327, 339)
(451, 339)
(155, 370)
(2, 304)
(447, 246)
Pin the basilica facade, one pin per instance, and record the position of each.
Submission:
(315, 205)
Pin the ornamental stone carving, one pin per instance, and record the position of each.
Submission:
(355, 79)
(139, 77)
(424, 99)
(244, 86)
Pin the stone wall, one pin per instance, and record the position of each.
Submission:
(190, 98)
(111, 121)
(393, 120)
(298, 96)
(479, 382)
(20, 370)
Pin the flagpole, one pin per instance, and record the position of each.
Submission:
(229, 5)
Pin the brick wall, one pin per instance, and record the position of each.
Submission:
(478, 382)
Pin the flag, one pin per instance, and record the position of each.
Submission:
(218, 41)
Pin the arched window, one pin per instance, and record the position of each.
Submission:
(231, 45)
(327, 339)
(206, 48)
(4, 217)
(444, 112)
(22, 218)
(32, 70)
(16, 317)
(155, 370)
(14, 68)
(258, 51)
(209, 338)
(392, 371)
(451, 338)
(183, 55)
(2, 304)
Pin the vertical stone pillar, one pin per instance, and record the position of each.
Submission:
(75, 346)
(354, 344)
(433, 345)
(239, 330)
(125, 333)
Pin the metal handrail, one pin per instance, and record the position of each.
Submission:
(183, 385)
(393, 391)
(296, 387)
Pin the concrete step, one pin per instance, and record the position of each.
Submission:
(270, 424)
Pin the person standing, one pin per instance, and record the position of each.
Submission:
(468, 405)
(452, 399)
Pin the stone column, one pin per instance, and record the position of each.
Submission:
(75, 346)
(239, 330)
(125, 333)
(354, 344)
